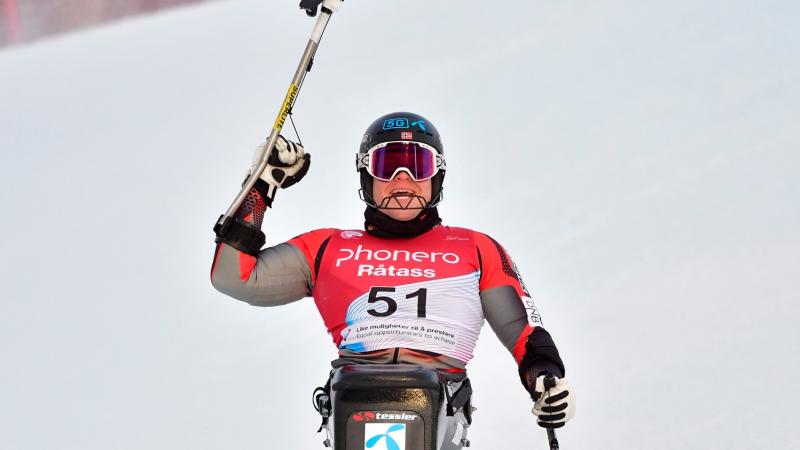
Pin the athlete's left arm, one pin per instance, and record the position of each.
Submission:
(510, 311)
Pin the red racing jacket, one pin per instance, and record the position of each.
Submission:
(421, 300)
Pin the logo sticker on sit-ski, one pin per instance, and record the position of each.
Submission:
(363, 416)
(395, 123)
(367, 416)
(384, 436)
(352, 234)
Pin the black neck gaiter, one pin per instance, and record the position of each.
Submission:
(380, 225)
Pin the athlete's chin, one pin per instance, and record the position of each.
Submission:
(403, 215)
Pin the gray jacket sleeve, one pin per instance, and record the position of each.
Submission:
(504, 312)
(508, 318)
(277, 276)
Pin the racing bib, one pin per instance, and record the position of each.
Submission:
(420, 293)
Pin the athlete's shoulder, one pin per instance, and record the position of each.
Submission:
(310, 242)
(316, 238)
(320, 234)
(484, 240)
(497, 266)
(453, 233)
(462, 233)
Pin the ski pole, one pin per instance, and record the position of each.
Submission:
(310, 6)
(550, 382)
(551, 439)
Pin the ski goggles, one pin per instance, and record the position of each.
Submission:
(384, 161)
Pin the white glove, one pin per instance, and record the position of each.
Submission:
(555, 405)
(286, 165)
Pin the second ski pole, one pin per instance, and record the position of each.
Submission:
(550, 382)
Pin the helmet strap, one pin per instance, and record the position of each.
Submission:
(403, 202)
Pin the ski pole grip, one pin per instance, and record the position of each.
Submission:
(549, 381)
(311, 6)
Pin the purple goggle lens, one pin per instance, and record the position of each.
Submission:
(388, 159)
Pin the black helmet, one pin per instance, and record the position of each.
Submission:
(400, 126)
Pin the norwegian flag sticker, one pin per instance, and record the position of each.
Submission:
(406, 135)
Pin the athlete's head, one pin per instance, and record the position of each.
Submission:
(401, 164)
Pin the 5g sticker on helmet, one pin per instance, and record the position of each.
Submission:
(395, 123)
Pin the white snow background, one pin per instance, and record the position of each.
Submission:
(639, 159)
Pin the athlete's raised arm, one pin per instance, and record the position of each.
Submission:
(241, 269)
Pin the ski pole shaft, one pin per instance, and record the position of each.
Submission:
(550, 382)
(286, 108)
(551, 439)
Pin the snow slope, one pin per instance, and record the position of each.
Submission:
(638, 159)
